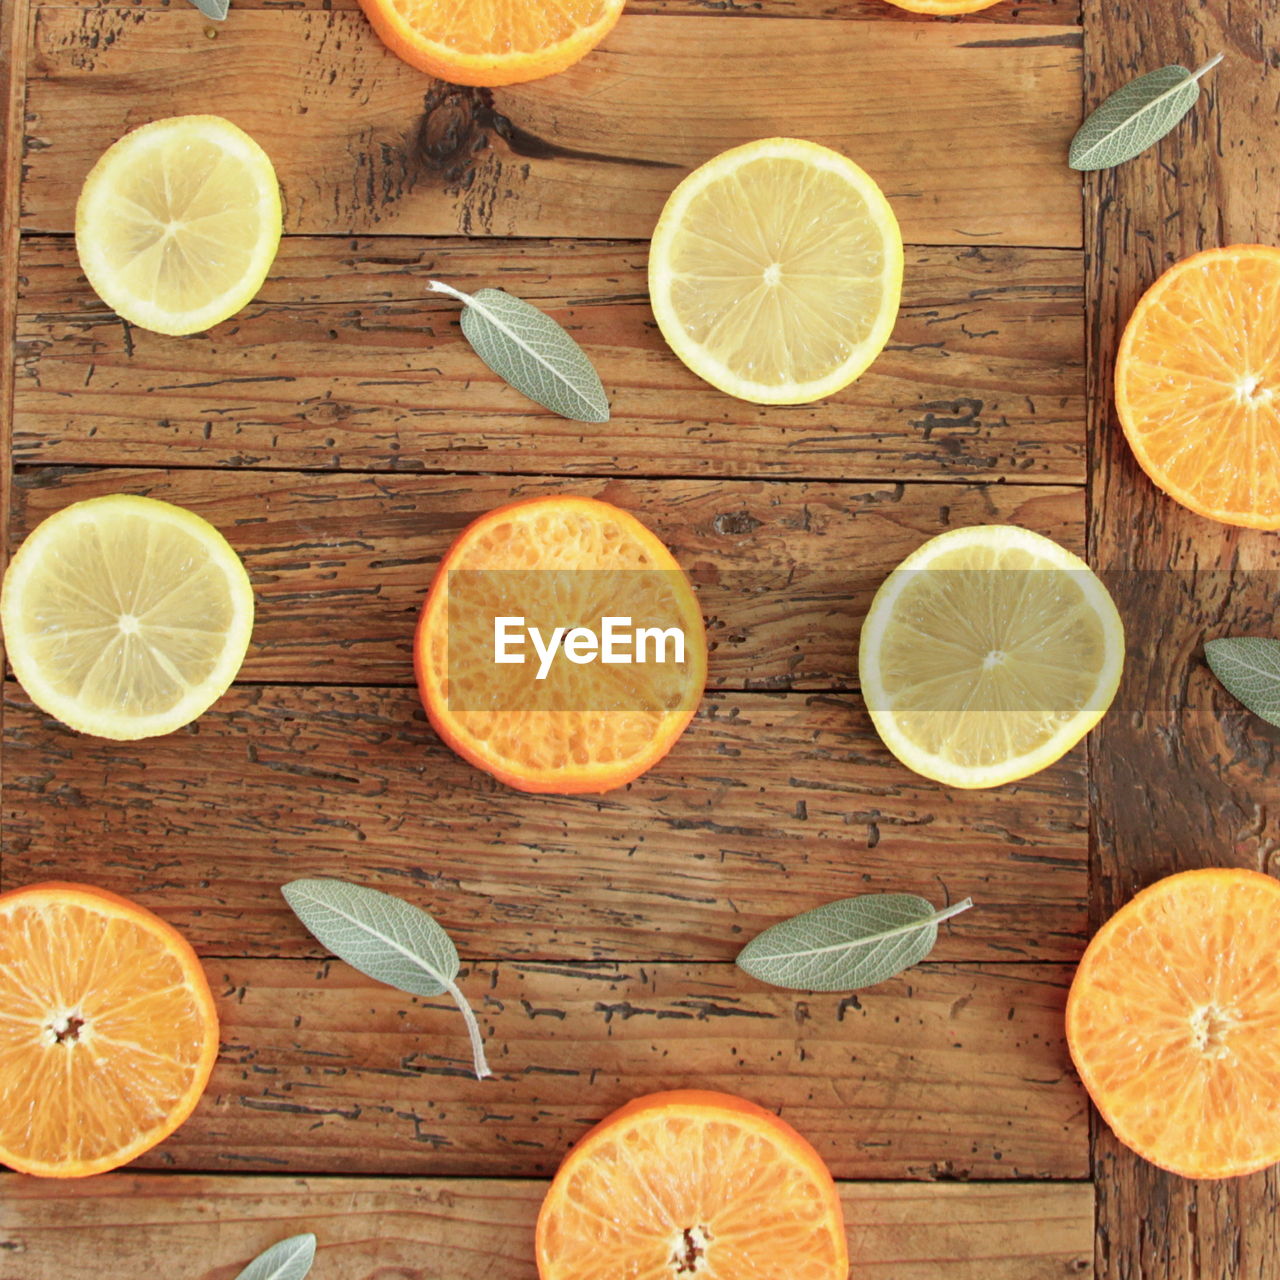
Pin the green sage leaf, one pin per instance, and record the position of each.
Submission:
(526, 348)
(1136, 116)
(291, 1259)
(387, 939)
(845, 945)
(215, 9)
(1249, 669)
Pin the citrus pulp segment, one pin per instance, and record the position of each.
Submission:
(491, 42)
(775, 271)
(692, 1183)
(1173, 1021)
(579, 728)
(178, 223)
(1198, 384)
(944, 8)
(126, 617)
(108, 1031)
(987, 654)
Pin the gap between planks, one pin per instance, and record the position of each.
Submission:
(131, 467)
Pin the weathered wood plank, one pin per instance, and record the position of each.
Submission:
(1184, 776)
(964, 128)
(785, 571)
(346, 362)
(949, 1071)
(14, 25)
(1018, 12)
(768, 805)
(204, 1228)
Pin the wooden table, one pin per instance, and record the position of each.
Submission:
(340, 432)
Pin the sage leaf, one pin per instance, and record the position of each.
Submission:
(291, 1259)
(1136, 116)
(1249, 669)
(526, 348)
(844, 945)
(215, 9)
(387, 939)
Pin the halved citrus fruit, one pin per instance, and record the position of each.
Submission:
(541, 720)
(1198, 384)
(491, 42)
(126, 617)
(775, 271)
(692, 1184)
(108, 1030)
(987, 654)
(1174, 1023)
(944, 8)
(178, 223)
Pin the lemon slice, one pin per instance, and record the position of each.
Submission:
(125, 617)
(776, 270)
(988, 654)
(178, 223)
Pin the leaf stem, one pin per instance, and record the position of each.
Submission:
(947, 912)
(438, 286)
(478, 1062)
(1208, 66)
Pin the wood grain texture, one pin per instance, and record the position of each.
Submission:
(205, 1228)
(346, 362)
(340, 564)
(322, 1069)
(342, 409)
(767, 806)
(1017, 12)
(965, 129)
(1183, 776)
(14, 25)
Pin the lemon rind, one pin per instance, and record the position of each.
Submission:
(123, 728)
(96, 193)
(938, 768)
(694, 355)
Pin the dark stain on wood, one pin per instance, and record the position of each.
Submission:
(458, 121)
(1063, 40)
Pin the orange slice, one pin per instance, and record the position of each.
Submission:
(692, 1185)
(568, 726)
(1198, 384)
(108, 1031)
(1174, 1023)
(491, 42)
(944, 8)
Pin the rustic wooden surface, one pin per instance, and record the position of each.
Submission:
(1035, 13)
(401, 1228)
(769, 804)
(345, 362)
(1183, 775)
(340, 432)
(362, 142)
(323, 1070)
